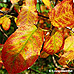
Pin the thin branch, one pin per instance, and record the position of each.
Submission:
(43, 16)
(3, 32)
(70, 29)
(6, 12)
(54, 61)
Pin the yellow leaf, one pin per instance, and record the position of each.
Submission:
(69, 43)
(6, 23)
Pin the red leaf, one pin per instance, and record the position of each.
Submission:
(22, 48)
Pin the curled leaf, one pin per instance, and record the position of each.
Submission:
(22, 48)
(54, 44)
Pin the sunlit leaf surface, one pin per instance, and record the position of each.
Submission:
(62, 14)
(22, 48)
(53, 45)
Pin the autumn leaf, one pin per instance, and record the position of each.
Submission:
(62, 14)
(27, 16)
(6, 22)
(66, 58)
(54, 44)
(14, 1)
(44, 54)
(69, 43)
(22, 48)
(47, 3)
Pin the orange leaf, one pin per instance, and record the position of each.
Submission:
(44, 54)
(62, 14)
(68, 56)
(6, 23)
(22, 48)
(14, 1)
(69, 43)
(53, 45)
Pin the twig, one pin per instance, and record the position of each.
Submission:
(43, 16)
(3, 32)
(70, 29)
(54, 61)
